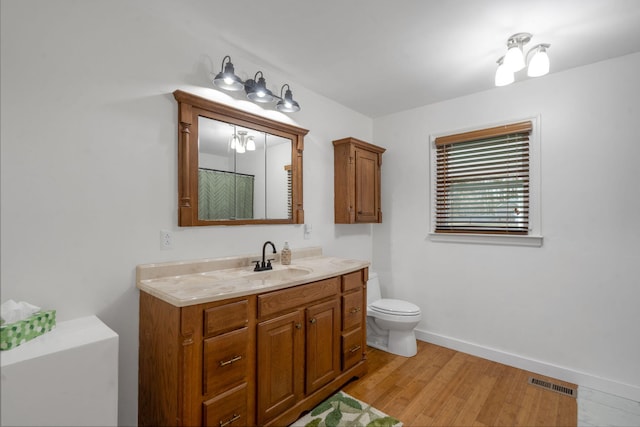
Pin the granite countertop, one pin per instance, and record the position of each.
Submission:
(187, 283)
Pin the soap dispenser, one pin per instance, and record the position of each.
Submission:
(285, 254)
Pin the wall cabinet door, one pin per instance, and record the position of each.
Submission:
(323, 344)
(367, 195)
(280, 364)
(356, 181)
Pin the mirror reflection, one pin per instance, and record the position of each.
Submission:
(243, 173)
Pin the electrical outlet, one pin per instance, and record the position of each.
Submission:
(166, 240)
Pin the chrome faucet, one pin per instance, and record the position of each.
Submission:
(265, 265)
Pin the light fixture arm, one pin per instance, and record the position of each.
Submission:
(226, 58)
(282, 88)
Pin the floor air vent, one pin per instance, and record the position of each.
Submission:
(567, 391)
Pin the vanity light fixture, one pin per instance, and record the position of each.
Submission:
(257, 91)
(515, 59)
(256, 88)
(226, 79)
(286, 103)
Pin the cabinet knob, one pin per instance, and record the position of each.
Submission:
(313, 320)
(298, 325)
(355, 310)
(354, 348)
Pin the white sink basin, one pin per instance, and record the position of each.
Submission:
(280, 274)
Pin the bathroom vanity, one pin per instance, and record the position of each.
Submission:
(223, 345)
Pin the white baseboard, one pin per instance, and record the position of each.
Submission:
(627, 391)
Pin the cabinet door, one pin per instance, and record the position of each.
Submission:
(323, 344)
(280, 364)
(367, 186)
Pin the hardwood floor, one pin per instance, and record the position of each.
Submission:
(443, 387)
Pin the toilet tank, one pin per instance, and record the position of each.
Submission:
(373, 288)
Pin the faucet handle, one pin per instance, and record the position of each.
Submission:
(269, 262)
(257, 268)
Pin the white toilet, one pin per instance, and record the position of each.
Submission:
(390, 322)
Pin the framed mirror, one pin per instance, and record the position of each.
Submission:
(235, 167)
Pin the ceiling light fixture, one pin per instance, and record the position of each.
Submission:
(241, 142)
(515, 59)
(256, 88)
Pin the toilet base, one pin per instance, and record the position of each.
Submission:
(401, 343)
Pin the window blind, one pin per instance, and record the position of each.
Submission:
(482, 181)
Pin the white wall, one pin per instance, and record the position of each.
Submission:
(569, 308)
(89, 158)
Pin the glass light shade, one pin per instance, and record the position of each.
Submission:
(234, 142)
(504, 76)
(240, 148)
(514, 59)
(539, 64)
(251, 144)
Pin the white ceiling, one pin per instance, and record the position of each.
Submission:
(383, 56)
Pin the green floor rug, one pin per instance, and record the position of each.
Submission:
(344, 410)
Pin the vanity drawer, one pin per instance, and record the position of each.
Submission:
(225, 361)
(225, 318)
(228, 409)
(352, 307)
(352, 348)
(286, 299)
(352, 281)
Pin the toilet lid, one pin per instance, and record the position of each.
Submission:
(395, 306)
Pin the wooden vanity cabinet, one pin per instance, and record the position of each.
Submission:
(196, 363)
(357, 181)
(256, 360)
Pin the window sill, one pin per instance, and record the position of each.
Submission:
(486, 239)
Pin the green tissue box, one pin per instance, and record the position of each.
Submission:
(14, 334)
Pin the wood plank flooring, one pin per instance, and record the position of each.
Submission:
(444, 387)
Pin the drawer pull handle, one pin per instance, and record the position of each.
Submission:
(235, 417)
(354, 349)
(313, 320)
(230, 361)
(298, 325)
(355, 310)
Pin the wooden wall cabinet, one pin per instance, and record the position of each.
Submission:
(357, 181)
(257, 360)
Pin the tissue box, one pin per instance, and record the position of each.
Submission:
(14, 334)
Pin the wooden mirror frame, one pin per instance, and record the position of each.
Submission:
(189, 108)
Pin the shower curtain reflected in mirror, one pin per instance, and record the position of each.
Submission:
(224, 195)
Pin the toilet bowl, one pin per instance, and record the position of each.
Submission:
(390, 322)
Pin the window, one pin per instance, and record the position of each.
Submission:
(482, 182)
